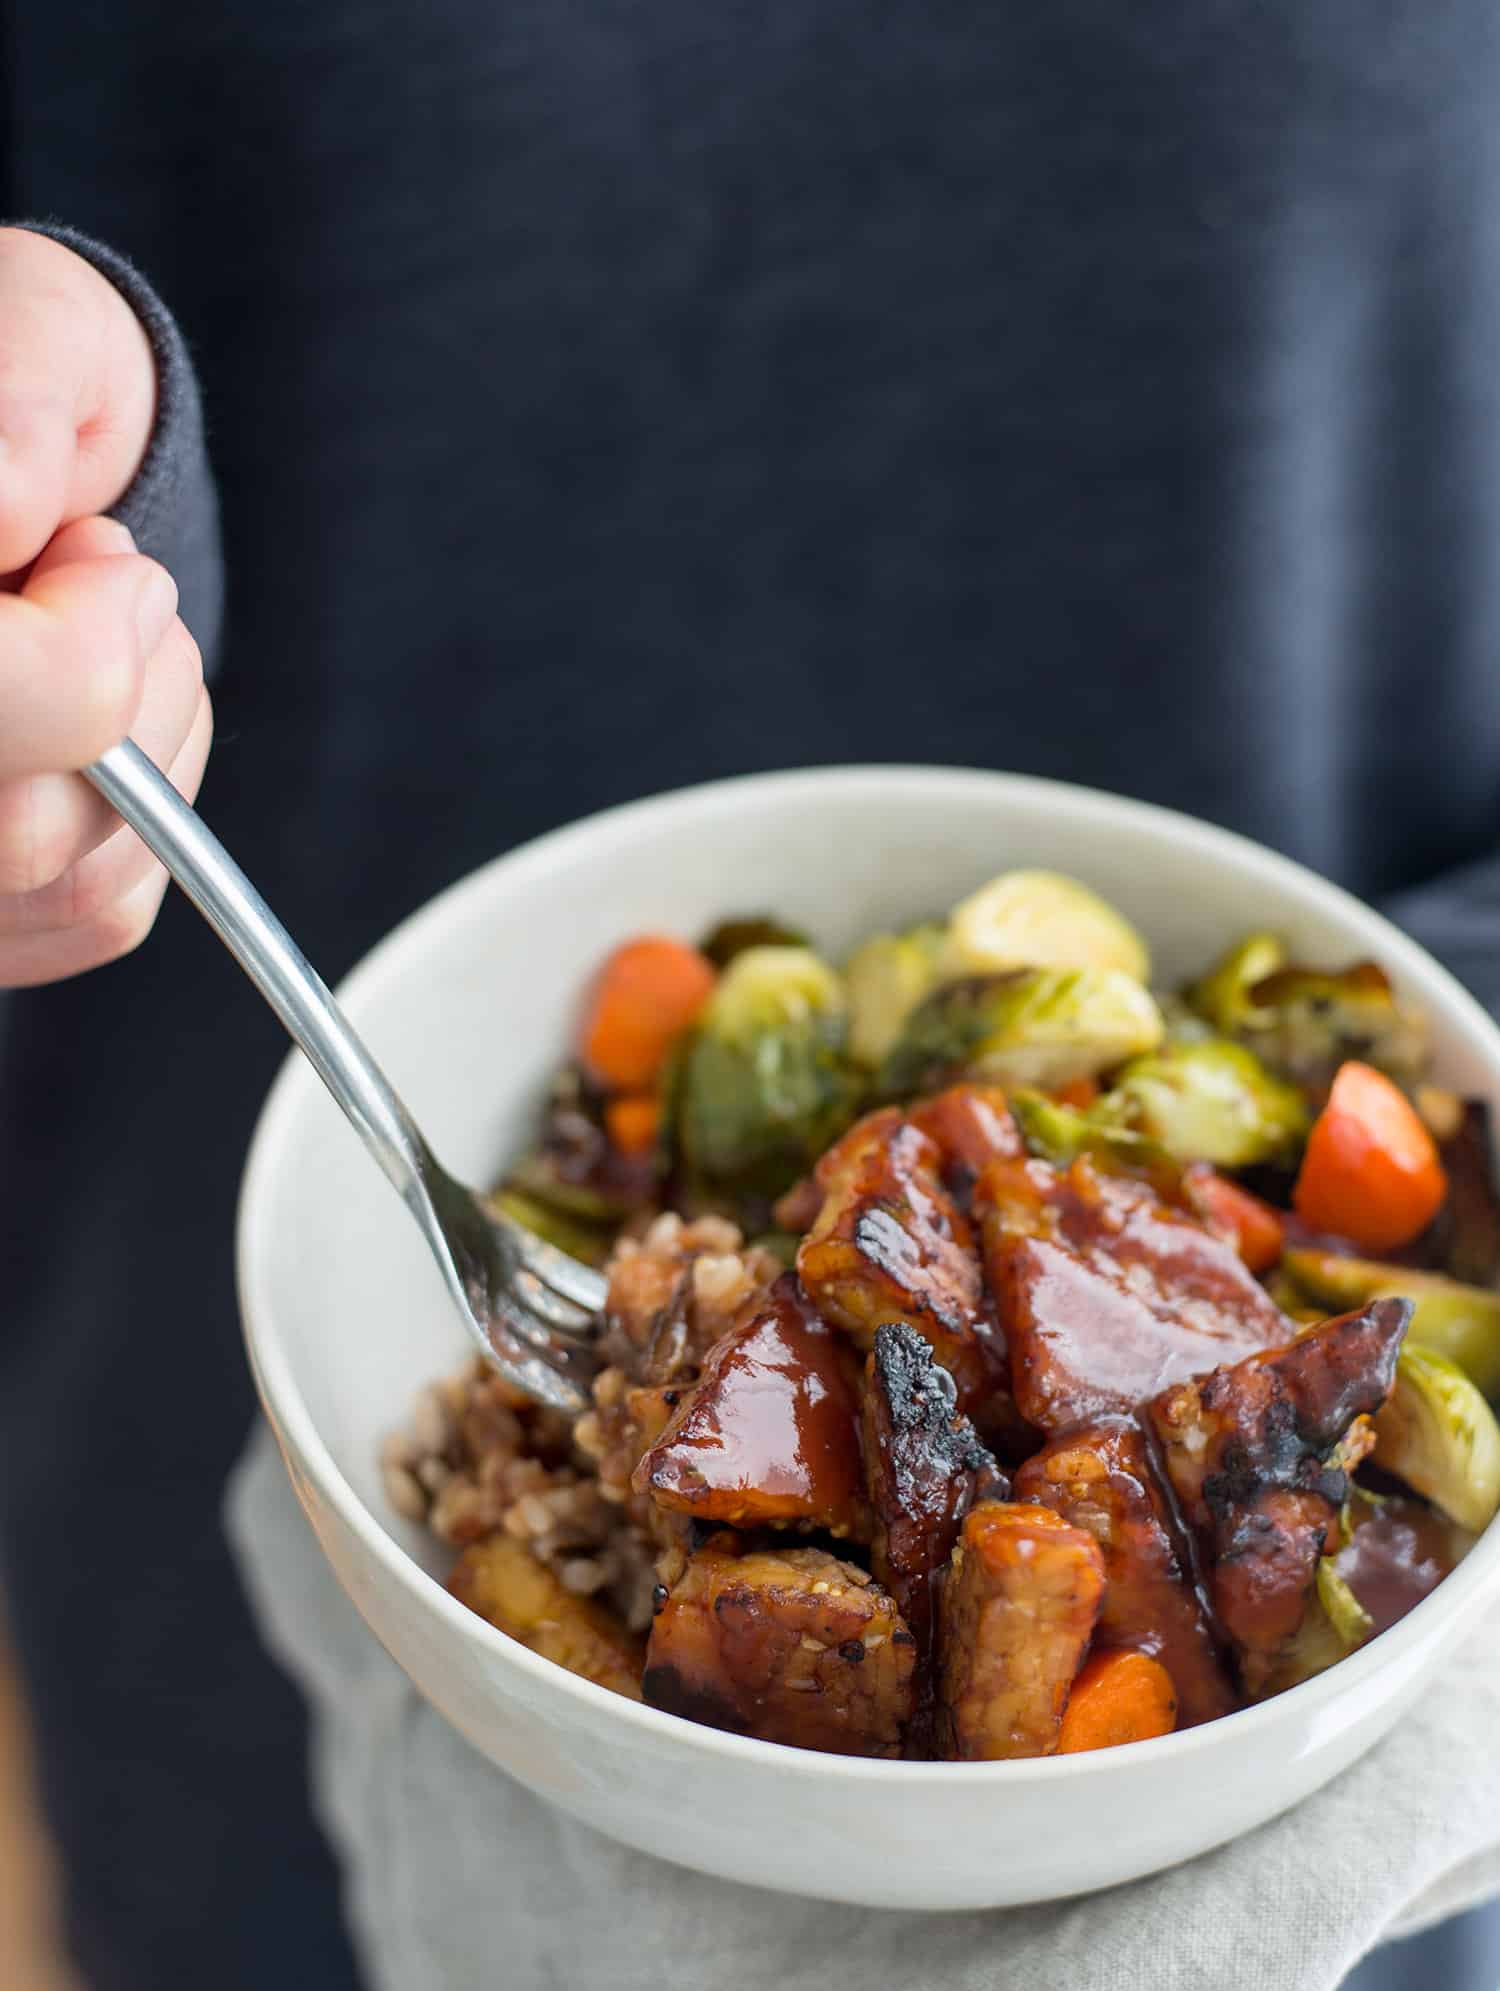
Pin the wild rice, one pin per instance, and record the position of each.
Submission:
(477, 1457)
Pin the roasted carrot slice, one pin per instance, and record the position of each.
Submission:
(1255, 1229)
(647, 993)
(1118, 1697)
(632, 1122)
(1371, 1172)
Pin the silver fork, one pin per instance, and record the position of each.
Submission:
(532, 1311)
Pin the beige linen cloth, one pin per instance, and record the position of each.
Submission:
(459, 1879)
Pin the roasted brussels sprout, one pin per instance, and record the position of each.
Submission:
(1460, 1322)
(1040, 919)
(886, 979)
(1036, 1027)
(1224, 995)
(733, 937)
(1438, 1434)
(1334, 1624)
(1213, 1102)
(1306, 1022)
(1060, 1134)
(764, 1085)
(1349, 1618)
(772, 988)
(588, 1242)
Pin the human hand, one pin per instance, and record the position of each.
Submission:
(91, 646)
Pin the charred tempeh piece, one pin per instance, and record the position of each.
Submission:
(971, 1126)
(890, 1243)
(924, 1468)
(793, 1647)
(1019, 1606)
(1099, 1477)
(770, 1433)
(1106, 1294)
(1258, 1455)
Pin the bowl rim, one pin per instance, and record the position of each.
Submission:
(1456, 1598)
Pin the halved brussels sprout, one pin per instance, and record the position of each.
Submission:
(772, 988)
(886, 979)
(1060, 1134)
(1349, 1618)
(1039, 1027)
(1183, 1024)
(1041, 919)
(1334, 1625)
(1223, 995)
(733, 937)
(587, 1242)
(1308, 1023)
(764, 1085)
(1459, 1322)
(1438, 1434)
(1213, 1101)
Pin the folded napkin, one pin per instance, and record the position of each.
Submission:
(459, 1879)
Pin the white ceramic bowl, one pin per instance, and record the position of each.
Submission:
(470, 1005)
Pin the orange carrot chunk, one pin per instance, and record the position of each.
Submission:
(1118, 1697)
(645, 996)
(1254, 1228)
(631, 1121)
(1371, 1171)
(1078, 1092)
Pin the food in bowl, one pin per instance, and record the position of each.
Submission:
(1002, 1359)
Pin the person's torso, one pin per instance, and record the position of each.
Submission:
(610, 398)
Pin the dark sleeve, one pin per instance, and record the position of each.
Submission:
(171, 506)
(1457, 918)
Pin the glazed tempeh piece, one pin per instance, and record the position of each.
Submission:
(971, 1126)
(794, 1647)
(769, 1436)
(890, 1243)
(924, 1468)
(1019, 1606)
(1100, 1478)
(1258, 1456)
(1106, 1294)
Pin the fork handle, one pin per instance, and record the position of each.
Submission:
(137, 789)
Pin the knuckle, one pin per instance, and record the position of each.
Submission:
(36, 841)
(180, 651)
